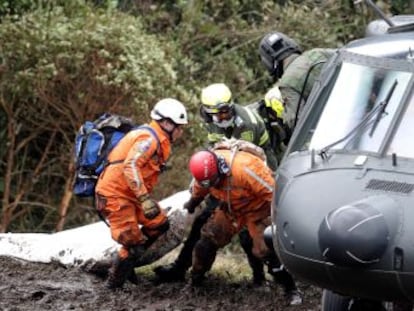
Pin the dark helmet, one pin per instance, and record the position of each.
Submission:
(273, 49)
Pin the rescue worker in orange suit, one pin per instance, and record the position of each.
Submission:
(244, 185)
(224, 119)
(124, 188)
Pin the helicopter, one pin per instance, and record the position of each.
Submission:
(343, 209)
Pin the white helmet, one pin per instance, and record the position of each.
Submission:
(170, 108)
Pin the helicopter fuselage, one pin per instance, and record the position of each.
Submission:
(344, 205)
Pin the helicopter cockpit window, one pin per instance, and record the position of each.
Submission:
(354, 110)
(402, 141)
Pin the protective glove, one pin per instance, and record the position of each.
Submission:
(150, 207)
(191, 204)
(273, 100)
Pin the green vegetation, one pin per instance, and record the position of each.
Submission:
(62, 62)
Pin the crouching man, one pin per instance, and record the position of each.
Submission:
(124, 187)
(244, 185)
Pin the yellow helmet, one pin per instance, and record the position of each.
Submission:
(273, 99)
(215, 97)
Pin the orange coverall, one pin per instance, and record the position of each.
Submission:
(247, 191)
(122, 184)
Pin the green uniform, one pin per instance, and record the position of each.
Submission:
(279, 133)
(292, 81)
(248, 126)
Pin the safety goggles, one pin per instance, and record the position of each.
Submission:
(221, 108)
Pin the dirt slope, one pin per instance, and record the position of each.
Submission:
(32, 286)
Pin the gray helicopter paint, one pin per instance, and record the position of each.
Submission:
(337, 184)
(310, 186)
(381, 27)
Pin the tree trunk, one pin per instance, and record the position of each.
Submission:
(6, 208)
(67, 196)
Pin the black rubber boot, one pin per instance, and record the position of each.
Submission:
(123, 269)
(256, 264)
(132, 277)
(119, 272)
(258, 275)
(282, 276)
(197, 279)
(172, 272)
(205, 253)
(175, 272)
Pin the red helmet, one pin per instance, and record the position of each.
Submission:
(203, 166)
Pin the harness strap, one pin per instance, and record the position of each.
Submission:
(234, 150)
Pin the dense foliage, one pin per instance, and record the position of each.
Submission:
(62, 62)
(59, 69)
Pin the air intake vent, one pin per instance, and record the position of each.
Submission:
(377, 184)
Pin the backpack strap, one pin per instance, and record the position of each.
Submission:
(153, 134)
(236, 145)
(234, 149)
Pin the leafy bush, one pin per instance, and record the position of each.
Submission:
(66, 61)
(60, 68)
(12, 7)
(221, 37)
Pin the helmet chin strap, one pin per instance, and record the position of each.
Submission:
(222, 165)
(278, 70)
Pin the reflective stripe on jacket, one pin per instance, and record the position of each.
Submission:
(247, 188)
(142, 162)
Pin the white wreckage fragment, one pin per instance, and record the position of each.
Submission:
(92, 243)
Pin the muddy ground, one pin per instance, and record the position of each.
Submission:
(34, 286)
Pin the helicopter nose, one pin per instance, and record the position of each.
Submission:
(353, 235)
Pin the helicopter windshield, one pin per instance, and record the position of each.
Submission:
(402, 141)
(355, 109)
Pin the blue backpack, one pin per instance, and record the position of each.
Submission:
(93, 143)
